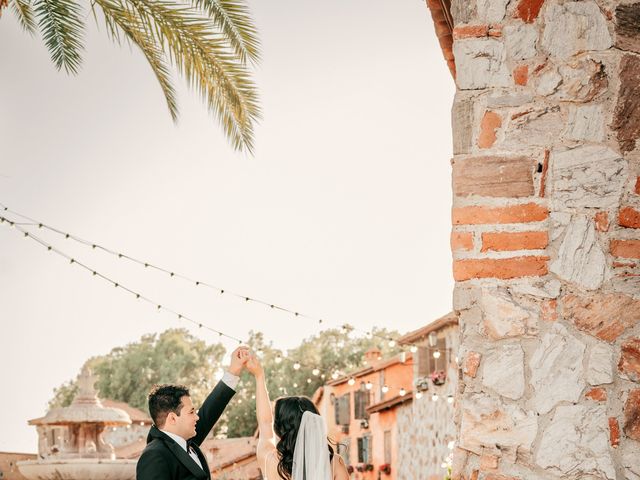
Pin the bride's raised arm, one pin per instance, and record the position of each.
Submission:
(267, 438)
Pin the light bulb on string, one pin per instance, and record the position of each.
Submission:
(450, 399)
(418, 395)
(296, 366)
(392, 343)
(368, 385)
(451, 444)
(315, 371)
(434, 397)
(436, 354)
(335, 375)
(351, 381)
(278, 358)
(385, 389)
(308, 380)
(295, 385)
(402, 392)
(413, 349)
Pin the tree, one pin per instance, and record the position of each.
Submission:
(210, 42)
(127, 373)
(330, 351)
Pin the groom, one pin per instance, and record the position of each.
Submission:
(172, 451)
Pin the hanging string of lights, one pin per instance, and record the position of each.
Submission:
(345, 328)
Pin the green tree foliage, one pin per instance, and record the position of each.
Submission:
(127, 373)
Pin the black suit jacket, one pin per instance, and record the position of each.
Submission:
(164, 459)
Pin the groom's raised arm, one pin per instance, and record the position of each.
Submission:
(218, 399)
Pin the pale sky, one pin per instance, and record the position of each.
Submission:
(343, 212)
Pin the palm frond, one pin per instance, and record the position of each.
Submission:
(120, 19)
(23, 11)
(233, 18)
(62, 28)
(207, 63)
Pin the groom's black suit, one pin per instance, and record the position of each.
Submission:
(164, 459)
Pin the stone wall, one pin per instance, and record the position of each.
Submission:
(546, 238)
(425, 427)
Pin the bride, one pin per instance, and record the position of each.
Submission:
(302, 451)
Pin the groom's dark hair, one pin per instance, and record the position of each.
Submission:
(164, 399)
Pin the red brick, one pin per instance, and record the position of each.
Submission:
(623, 264)
(629, 217)
(631, 426)
(461, 241)
(528, 10)
(614, 432)
(503, 268)
(605, 316)
(549, 310)
(476, 31)
(493, 176)
(489, 125)
(474, 475)
(521, 75)
(509, 241)
(629, 363)
(477, 215)
(597, 394)
(625, 248)
(472, 363)
(602, 221)
(637, 189)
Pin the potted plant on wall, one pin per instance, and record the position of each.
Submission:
(438, 377)
(368, 467)
(386, 468)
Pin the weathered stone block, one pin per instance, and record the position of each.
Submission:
(626, 117)
(472, 363)
(487, 426)
(520, 40)
(534, 127)
(631, 426)
(574, 27)
(493, 176)
(605, 316)
(586, 123)
(600, 365)
(503, 318)
(503, 370)
(629, 364)
(491, 11)
(463, 123)
(556, 369)
(587, 177)
(628, 27)
(576, 443)
(480, 63)
(583, 80)
(580, 258)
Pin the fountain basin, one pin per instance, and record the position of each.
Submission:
(78, 469)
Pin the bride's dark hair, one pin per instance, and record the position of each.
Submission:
(288, 415)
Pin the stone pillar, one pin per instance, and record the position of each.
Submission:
(546, 238)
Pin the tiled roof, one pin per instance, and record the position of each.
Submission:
(445, 321)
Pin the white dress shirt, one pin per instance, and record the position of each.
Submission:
(231, 381)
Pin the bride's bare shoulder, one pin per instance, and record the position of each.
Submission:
(339, 468)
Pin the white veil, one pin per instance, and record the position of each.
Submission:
(311, 453)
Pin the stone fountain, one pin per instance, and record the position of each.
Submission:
(71, 444)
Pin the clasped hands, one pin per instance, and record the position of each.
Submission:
(241, 358)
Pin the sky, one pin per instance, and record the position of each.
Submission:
(342, 213)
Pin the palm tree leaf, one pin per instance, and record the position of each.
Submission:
(22, 9)
(208, 64)
(119, 18)
(62, 28)
(233, 18)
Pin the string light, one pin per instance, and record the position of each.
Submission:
(316, 372)
(278, 358)
(450, 399)
(413, 349)
(345, 328)
(434, 397)
(402, 392)
(385, 389)
(296, 366)
(368, 385)
(335, 375)
(418, 395)
(436, 354)
(351, 381)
